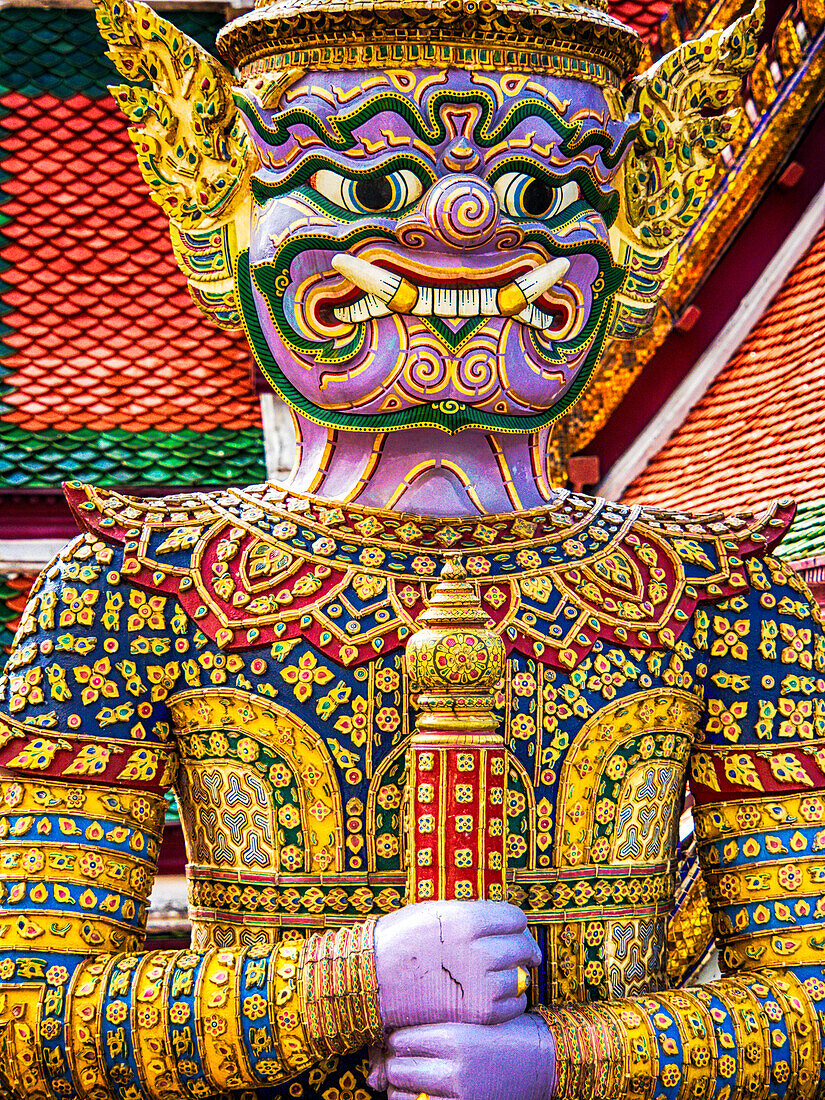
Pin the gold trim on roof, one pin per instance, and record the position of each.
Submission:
(544, 37)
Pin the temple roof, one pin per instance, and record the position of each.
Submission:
(758, 432)
(760, 187)
(643, 15)
(107, 368)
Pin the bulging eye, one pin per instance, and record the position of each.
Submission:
(374, 195)
(525, 196)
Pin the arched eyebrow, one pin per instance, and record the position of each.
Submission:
(338, 130)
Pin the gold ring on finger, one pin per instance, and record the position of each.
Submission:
(523, 983)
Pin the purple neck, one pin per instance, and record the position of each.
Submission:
(422, 470)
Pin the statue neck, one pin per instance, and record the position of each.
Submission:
(422, 470)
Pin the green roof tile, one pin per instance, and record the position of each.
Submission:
(806, 538)
(59, 51)
(117, 457)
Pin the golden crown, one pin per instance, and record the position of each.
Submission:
(536, 36)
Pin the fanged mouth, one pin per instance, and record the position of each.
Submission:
(386, 292)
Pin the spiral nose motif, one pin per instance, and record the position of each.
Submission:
(461, 211)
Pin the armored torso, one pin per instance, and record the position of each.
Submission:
(254, 640)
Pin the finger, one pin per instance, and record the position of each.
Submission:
(424, 1041)
(507, 1008)
(378, 1068)
(377, 1078)
(509, 952)
(416, 1075)
(498, 918)
(508, 1001)
(535, 951)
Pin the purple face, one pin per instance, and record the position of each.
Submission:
(431, 247)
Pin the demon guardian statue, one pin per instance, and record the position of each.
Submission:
(428, 718)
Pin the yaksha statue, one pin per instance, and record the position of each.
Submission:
(429, 719)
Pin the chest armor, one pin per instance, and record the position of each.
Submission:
(282, 835)
(293, 718)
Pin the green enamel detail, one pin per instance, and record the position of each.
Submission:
(44, 459)
(60, 51)
(338, 131)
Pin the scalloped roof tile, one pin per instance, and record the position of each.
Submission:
(806, 538)
(643, 15)
(107, 368)
(758, 433)
(103, 331)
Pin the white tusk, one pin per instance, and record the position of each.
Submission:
(395, 290)
(534, 283)
(366, 276)
(402, 296)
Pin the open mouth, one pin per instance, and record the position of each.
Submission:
(534, 296)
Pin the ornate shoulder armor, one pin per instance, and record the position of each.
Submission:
(257, 565)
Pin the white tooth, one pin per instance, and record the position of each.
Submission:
(468, 303)
(424, 306)
(360, 310)
(488, 301)
(376, 307)
(366, 276)
(342, 313)
(534, 283)
(443, 302)
(535, 317)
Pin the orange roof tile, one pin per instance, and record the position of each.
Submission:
(759, 430)
(104, 333)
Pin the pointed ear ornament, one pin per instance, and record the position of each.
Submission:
(192, 148)
(687, 111)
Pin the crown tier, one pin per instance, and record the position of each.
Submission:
(507, 35)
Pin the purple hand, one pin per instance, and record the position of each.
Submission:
(452, 960)
(469, 1062)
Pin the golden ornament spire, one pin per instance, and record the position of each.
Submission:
(455, 660)
(457, 773)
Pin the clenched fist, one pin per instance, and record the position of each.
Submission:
(444, 961)
(511, 1061)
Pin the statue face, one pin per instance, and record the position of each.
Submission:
(431, 247)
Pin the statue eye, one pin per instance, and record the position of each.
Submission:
(525, 196)
(374, 195)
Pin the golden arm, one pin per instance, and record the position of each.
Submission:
(86, 753)
(758, 776)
